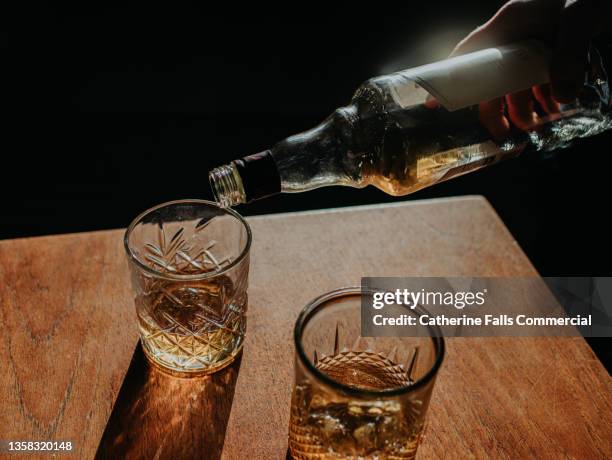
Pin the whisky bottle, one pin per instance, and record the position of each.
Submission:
(392, 136)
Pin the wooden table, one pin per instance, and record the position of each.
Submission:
(72, 369)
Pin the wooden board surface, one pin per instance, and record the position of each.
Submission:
(494, 397)
(157, 416)
(70, 335)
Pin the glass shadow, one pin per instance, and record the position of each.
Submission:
(160, 416)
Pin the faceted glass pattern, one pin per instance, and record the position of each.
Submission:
(357, 397)
(189, 263)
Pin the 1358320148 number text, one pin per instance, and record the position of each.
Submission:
(39, 446)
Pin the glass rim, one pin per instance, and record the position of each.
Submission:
(196, 276)
(315, 305)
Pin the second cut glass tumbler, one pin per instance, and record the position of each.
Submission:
(189, 263)
(358, 397)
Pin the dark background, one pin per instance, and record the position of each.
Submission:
(114, 109)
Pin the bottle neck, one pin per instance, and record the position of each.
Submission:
(246, 179)
(325, 155)
(315, 158)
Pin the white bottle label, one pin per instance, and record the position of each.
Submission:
(487, 74)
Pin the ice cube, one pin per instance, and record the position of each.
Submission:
(365, 437)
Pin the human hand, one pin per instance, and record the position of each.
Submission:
(567, 26)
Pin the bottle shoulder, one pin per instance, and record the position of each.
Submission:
(391, 92)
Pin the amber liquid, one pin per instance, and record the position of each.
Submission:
(445, 146)
(191, 327)
(330, 426)
(437, 167)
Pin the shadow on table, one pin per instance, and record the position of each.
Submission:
(159, 416)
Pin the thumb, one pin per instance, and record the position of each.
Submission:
(516, 20)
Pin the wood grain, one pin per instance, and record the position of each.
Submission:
(70, 332)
